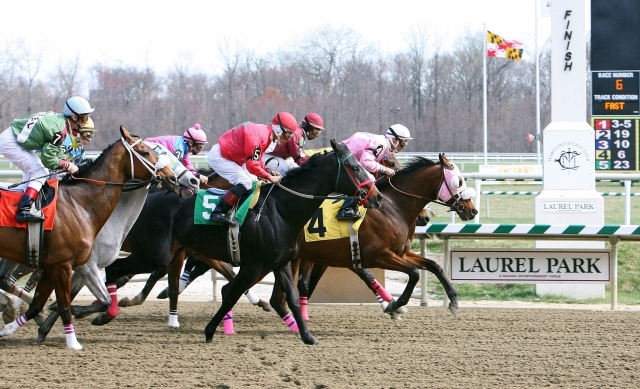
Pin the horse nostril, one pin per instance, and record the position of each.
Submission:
(193, 181)
(173, 179)
(474, 212)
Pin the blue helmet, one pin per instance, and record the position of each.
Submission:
(76, 105)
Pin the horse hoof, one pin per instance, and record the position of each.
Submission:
(402, 310)
(124, 302)
(454, 309)
(265, 306)
(163, 295)
(395, 316)
(100, 320)
(309, 340)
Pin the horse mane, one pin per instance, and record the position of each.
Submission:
(86, 167)
(413, 165)
(298, 173)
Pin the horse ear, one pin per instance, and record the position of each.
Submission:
(125, 134)
(334, 145)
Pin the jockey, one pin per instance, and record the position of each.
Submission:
(370, 150)
(291, 154)
(192, 141)
(74, 145)
(44, 131)
(238, 158)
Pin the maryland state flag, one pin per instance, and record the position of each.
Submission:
(498, 47)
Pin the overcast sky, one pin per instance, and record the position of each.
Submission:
(133, 32)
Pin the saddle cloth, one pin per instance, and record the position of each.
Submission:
(9, 200)
(325, 226)
(207, 200)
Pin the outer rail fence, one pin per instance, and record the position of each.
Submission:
(611, 233)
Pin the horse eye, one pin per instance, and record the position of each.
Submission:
(144, 153)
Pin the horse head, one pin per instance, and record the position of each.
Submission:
(188, 183)
(146, 163)
(454, 191)
(365, 187)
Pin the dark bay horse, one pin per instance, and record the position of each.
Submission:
(269, 235)
(85, 202)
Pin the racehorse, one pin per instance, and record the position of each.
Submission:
(386, 234)
(84, 203)
(106, 245)
(270, 232)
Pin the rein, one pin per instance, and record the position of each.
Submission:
(456, 206)
(361, 199)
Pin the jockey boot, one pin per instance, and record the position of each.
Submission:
(24, 211)
(349, 211)
(227, 201)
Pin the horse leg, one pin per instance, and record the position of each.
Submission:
(284, 278)
(247, 275)
(76, 285)
(141, 297)
(187, 276)
(431, 266)
(383, 296)
(61, 279)
(89, 275)
(8, 311)
(308, 276)
(174, 275)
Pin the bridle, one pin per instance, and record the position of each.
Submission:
(457, 206)
(162, 162)
(361, 194)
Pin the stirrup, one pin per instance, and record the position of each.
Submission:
(348, 214)
(223, 218)
(26, 216)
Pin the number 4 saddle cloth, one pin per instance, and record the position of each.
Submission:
(325, 226)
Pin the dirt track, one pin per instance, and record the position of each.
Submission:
(358, 347)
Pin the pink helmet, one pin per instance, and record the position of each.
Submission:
(285, 120)
(195, 134)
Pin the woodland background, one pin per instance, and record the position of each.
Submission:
(435, 91)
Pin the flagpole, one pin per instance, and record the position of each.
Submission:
(484, 91)
(535, 3)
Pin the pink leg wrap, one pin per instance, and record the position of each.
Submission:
(291, 322)
(303, 308)
(227, 324)
(113, 310)
(377, 288)
(22, 320)
(68, 329)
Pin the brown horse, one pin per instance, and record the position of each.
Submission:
(85, 202)
(386, 234)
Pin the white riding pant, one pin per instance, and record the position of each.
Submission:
(279, 164)
(230, 170)
(24, 159)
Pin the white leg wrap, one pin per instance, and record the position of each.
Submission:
(16, 302)
(253, 298)
(173, 321)
(72, 342)
(9, 329)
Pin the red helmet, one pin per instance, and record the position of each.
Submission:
(312, 121)
(286, 121)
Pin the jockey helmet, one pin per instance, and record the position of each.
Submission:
(286, 121)
(311, 122)
(399, 132)
(77, 105)
(195, 134)
(90, 126)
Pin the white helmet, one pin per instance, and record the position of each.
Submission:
(76, 105)
(399, 132)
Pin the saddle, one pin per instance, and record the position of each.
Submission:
(46, 201)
